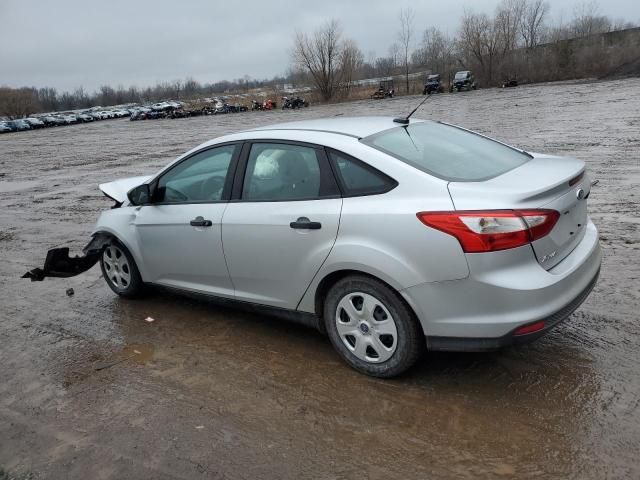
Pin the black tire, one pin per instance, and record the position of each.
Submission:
(133, 286)
(409, 342)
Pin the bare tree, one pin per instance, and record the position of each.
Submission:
(385, 66)
(405, 37)
(509, 14)
(436, 51)
(507, 22)
(17, 102)
(320, 54)
(532, 22)
(394, 54)
(588, 21)
(352, 60)
(479, 41)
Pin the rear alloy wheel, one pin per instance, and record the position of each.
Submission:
(371, 327)
(120, 270)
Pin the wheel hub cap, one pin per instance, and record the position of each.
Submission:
(366, 327)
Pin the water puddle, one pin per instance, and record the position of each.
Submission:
(134, 352)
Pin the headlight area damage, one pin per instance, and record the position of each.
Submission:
(59, 264)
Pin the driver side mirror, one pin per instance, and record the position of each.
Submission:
(140, 195)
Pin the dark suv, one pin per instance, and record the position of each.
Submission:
(464, 80)
(432, 84)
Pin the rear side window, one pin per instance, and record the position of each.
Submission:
(357, 178)
(282, 172)
(448, 152)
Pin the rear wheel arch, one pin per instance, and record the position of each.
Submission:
(332, 278)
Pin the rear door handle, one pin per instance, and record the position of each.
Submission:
(200, 222)
(305, 223)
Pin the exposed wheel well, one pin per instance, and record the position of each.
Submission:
(327, 282)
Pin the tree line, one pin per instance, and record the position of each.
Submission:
(519, 40)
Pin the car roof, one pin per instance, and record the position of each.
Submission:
(358, 127)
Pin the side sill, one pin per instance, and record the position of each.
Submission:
(295, 316)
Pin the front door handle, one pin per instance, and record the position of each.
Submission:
(305, 223)
(200, 222)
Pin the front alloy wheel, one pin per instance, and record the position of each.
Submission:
(120, 270)
(117, 268)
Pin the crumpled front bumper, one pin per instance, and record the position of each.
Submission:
(59, 264)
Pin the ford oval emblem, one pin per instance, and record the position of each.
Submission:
(580, 194)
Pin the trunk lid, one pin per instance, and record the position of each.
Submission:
(546, 181)
(118, 189)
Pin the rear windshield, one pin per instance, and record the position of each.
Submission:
(447, 152)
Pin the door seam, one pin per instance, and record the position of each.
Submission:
(224, 254)
(325, 258)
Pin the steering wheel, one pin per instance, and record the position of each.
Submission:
(211, 188)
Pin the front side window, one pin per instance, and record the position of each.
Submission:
(448, 152)
(200, 178)
(280, 172)
(356, 178)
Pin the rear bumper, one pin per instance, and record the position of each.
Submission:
(459, 344)
(505, 290)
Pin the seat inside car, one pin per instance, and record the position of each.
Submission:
(298, 180)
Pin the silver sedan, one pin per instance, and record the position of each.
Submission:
(391, 236)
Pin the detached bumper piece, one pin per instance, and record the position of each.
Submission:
(59, 264)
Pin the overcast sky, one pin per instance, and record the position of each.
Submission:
(71, 43)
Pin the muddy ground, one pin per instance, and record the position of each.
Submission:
(217, 393)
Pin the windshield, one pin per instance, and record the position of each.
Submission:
(461, 75)
(447, 152)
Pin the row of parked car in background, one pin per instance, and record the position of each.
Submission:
(60, 119)
(166, 109)
(215, 106)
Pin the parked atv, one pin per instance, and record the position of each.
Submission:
(432, 84)
(220, 107)
(294, 103)
(268, 104)
(464, 80)
(255, 105)
(385, 90)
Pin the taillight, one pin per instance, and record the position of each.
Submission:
(531, 328)
(492, 230)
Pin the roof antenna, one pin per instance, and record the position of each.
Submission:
(405, 120)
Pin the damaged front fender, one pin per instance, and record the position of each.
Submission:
(59, 264)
